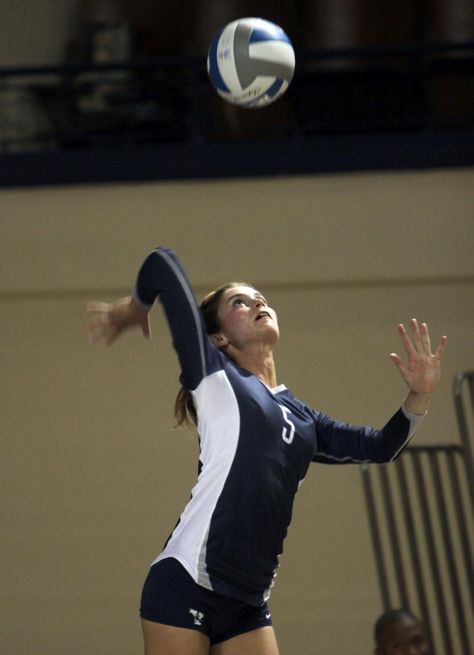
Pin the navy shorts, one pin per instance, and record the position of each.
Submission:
(171, 596)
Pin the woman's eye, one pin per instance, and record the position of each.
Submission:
(238, 301)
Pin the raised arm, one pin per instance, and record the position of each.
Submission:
(344, 443)
(161, 277)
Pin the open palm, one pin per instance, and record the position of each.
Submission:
(422, 368)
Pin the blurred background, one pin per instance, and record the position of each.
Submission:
(349, 203)
(89, 89)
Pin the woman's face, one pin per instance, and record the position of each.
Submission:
(245, 318)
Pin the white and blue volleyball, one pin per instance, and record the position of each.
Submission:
(251, 62)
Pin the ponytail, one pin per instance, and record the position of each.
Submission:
(184, 410)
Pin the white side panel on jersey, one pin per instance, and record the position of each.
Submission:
(219, 416)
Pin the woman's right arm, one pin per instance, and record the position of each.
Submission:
(161, 276)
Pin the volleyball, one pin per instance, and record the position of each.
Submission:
(251, 62)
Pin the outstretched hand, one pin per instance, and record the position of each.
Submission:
(422, 369)
(109, 320)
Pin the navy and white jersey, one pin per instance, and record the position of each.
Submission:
(256, 445)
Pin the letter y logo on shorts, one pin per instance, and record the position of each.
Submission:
(197, 616)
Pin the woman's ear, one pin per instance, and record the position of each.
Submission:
(219, 340)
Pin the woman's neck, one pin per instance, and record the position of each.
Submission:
(262, 365)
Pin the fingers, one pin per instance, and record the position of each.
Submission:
(97, 306)
(415, 330)
(420, 337)
(420, 341)
(426, 341)
(441, 347)
(98, 326)
(407, 344)
(396, 359)
(425, 338)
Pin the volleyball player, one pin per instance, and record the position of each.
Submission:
(207, 591)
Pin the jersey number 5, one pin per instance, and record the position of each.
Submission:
(287, 433)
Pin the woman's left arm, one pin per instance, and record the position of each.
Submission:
(342, 443)
(422, 369)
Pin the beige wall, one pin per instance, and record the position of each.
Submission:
(93, 477)
(36, 33)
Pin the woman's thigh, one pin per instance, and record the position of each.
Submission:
(161, 639)
(257, 642)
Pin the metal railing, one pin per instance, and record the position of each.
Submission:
(411, 87)
(420, 510)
